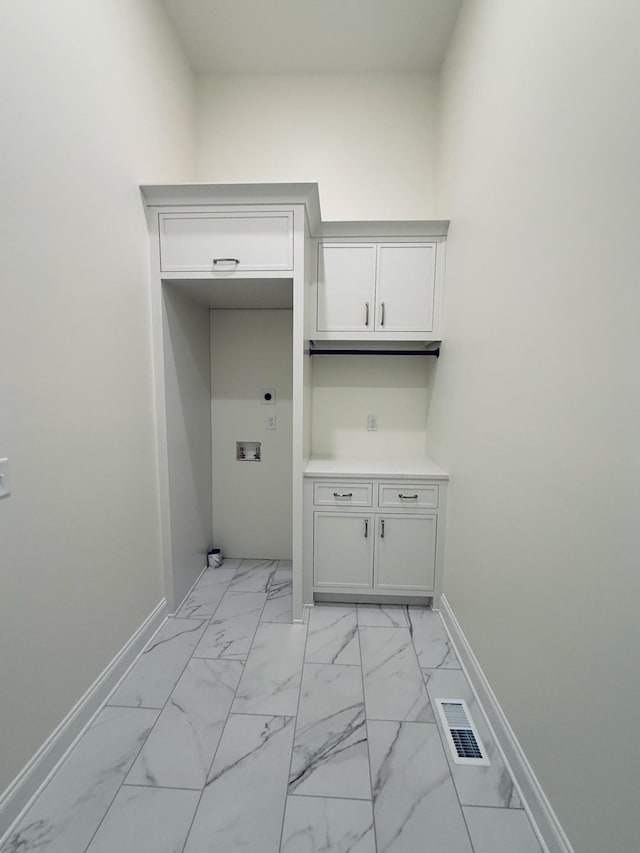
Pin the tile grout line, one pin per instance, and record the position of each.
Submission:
(224, 728)
(293, 742)
(141, 747)
(204, 622)
(443, 744)
(207, 618)
(159, 710)
(105, 704)
(158, 787)
(366, 726)
(332, 797)
(136, 707)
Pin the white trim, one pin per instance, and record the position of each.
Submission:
(193, 586)
(20, 794)
(543, 818)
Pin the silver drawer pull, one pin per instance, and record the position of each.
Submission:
(409, 497)
(343, 494)
(225, 261)
(366, 313)
(382, 529)
(366, 528)
(382, 313)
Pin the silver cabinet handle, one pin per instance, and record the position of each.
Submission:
(382, 529)
(366, 528)
(225, 261)
(382, 314)
(408, 497)
(366, 313)
(343, 494)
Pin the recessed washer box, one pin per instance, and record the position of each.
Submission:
(248, 451)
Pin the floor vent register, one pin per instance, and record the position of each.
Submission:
(462, 735)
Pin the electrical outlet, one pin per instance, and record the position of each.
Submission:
(372, 423)
(5, 485)
(272, 422)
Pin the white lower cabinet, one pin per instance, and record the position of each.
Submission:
(394, 549)
(405, 554)
(343, 550)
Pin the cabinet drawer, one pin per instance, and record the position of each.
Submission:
(407, 496)
(226, 242)
(342, 494)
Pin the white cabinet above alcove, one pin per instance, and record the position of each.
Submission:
(378, 281)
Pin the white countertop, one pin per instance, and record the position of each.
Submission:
(415, 467)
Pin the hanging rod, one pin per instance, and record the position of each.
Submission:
(316, 351)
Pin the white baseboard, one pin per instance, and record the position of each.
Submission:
(550, 832)
(193, 586)
(28, 783)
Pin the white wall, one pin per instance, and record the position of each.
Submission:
(252, 501)
(536, 400)
(96, 98)
(187, 369)
(368, 140)
(348, 388)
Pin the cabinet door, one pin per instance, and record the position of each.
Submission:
(342, 550)
(405, 552)
(405, 287)
(226, 242)
(346, 287)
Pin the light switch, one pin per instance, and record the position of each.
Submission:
(5, 484)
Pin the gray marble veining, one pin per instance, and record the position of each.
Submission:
(270, 683)
(330, 756)
(324, 825)
(207, 594)
(69, 810)
(154, 676)
(500, 829)
(146, 820)
(231, 630)
(243, 802)
(279, 598)
(179, 750)
(254, 576)
(430, 639)
(261, 751)
(382, 616)
(333, 635)
(477, 785)
(393, 683)
(414, 800)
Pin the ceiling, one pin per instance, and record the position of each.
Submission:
(313, 36)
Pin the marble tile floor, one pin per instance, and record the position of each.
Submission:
(237, 730)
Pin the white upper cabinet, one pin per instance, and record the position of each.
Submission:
(378, 290)
(226, 242)
(405, 287)
(346, 287)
